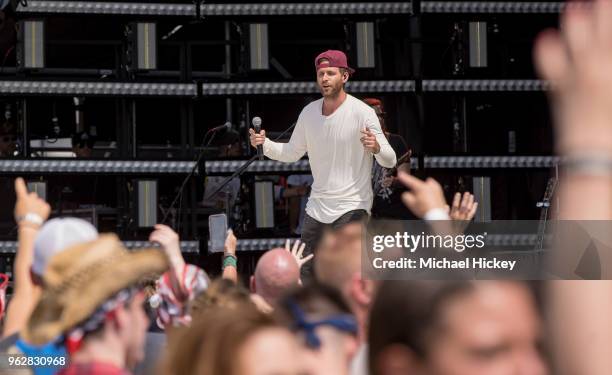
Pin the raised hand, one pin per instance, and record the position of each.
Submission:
(29, 204)
(297, 250)
(422, 196)
(577, 60)
(230, 243)
(369, 142)
(170, 243)
(463, 207)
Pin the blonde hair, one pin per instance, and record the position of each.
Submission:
(220, 293)
(210, 344)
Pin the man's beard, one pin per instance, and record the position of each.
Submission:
(333, 92)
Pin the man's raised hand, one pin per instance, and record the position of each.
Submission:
(257, 138)
(369, 142)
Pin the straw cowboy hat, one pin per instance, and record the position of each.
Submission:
(81, 278)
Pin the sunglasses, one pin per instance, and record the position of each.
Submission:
(8, 138)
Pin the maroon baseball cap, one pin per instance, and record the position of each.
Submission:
(335, 59)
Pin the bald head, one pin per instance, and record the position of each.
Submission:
(276, 272)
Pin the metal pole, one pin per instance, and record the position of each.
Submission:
(24, 123)
(228, 69)
(185, 76)
(133, 123)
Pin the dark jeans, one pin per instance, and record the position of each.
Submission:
(313, 230)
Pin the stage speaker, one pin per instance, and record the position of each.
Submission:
(482, 195)
(264, 204)
(31, 44)
(365, 44)
(259, 57)
(143, 45)
(147, 203)
(38, 187)
(478, 45)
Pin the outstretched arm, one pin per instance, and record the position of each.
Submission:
(230, 271)
(29, 209)
(578, 63)
(288, 152)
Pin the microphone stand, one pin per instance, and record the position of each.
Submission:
(237, 173)
(242, 168)
(191, 173)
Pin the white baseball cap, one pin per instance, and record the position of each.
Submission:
(56, 235)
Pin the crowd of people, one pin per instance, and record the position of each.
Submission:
(82, 298)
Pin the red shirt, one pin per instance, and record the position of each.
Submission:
(93, 368)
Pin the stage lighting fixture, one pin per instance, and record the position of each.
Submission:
(491, 161)
(365, 45)
(482, 195)
(105, 8)
(306, 8)
(275, 88)
(158, 8)
(186, 246)
(10, 247)
(478, 44)
(97, 88)
(38, 187)
(258, 46)
(143, 45)
(215, 167)
(431, 85)
(491, 7)
(264, 204)
(94, 166)
(147, 203)
(31, 44)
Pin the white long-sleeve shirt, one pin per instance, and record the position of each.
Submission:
(341, 167)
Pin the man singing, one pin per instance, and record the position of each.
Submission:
(340, 134)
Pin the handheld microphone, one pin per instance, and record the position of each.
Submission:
(257, 126)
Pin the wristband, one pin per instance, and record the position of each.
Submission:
(229, 260)
(30, 218)
(592, 165)
(436, 214)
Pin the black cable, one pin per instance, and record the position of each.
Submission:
(197, 163)
(286, 130)
(179, 218)
(6, 55)
(195, 166)
(193, 170)
(244, 166)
